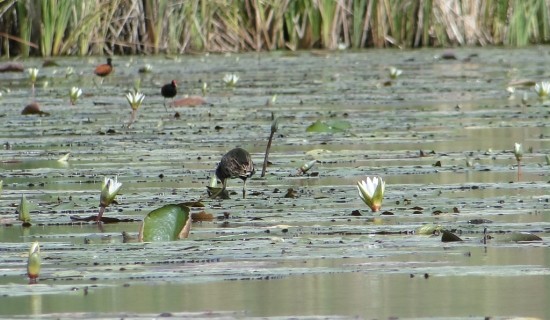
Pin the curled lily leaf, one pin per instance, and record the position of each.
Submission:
(275, 125)
(204, 89)
(371, 192)
(64, 158)
(518, 151)
(34, 261)
(23, 210)
(230, 79)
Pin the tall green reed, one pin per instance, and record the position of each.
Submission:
(55, 20)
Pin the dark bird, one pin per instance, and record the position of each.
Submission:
(105, 69)
(235, 164)
(169, 91)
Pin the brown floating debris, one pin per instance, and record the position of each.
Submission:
(448, 56)
(291, 193)
(11, 67)
(202, 216)
(33, 108)
(192, 101)
(356, 213)
(49, 63)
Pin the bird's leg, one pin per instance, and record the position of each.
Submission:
(244, 189)
(165, 108)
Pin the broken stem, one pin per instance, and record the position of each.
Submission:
(274, 127)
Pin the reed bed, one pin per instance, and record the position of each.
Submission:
(74, 27)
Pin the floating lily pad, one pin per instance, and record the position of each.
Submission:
(168, 223)
(202, 216)
(330, 126)
(428, 229)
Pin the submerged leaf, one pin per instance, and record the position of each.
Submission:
(331, 126)
(202, 216)
(192, 101)
(520, 237)
(171, 222)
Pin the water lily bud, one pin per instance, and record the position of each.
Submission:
(74, 94)
(34, 261)
(518, 151)
(307, 166)
(23, 210)
(33, 74)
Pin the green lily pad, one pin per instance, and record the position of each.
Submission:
(330, 126)
(428, 229)
(168, 223)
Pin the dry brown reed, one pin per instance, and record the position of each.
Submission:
(67, 27)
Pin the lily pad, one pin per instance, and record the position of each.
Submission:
(330, 126)
(168, 223)
(428, 229)
(519, 237)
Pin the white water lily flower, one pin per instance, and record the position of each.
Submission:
(230, 79)
(371, 192)
(33, 73)
(518, 151)
(109, 190)
(394, 72)
(74, 94)
(542, 89)
(135, 99)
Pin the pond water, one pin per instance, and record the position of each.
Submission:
(319, 254)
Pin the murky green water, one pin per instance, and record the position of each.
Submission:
(276, 256)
